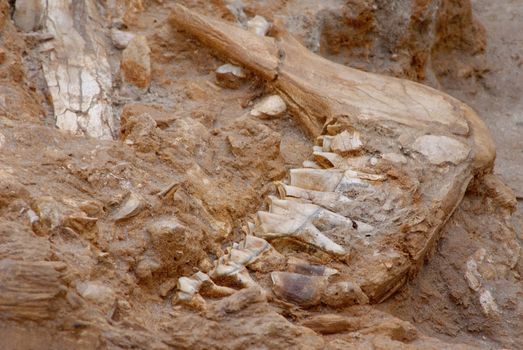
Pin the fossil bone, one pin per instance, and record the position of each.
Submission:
(383, 142)
(76, 68)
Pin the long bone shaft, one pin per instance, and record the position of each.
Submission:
(320, 89)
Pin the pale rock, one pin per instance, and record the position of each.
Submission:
(441, 149)
(136, 62)
(271, 106)
(344, 293)
(28, 14)
(167, 286)
(230, 76)
(258, 25)
(146, 267)
(488, 304)
(96, 292)
(165, 229)
(120, 38)
(472, 275)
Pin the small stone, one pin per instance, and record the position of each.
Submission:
(96, 292)
(136, 62)
(146, 267)
(120, 38)
(441, 149)
(167, 286)
(230, 76)
(166, 229)
(344, 294)
(258, 25)
(270, 106)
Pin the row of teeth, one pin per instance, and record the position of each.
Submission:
(311, 203)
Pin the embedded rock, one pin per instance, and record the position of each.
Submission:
(136, 62)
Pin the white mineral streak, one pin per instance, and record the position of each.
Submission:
(77, 70)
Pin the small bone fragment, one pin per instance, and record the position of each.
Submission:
(258, 25)
(230, 76)
(146, 267)
(131, 207)
(488, 303)
(270, 106)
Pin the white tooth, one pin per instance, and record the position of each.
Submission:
(329, 160)
(240, 257)
(278, 226)
(346, 142)
(316, 179)
(311, 164)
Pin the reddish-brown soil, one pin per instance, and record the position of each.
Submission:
(198, 162)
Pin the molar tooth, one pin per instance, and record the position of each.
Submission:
(329, 159)
(278, 226)
(328, 200)
(255, 244)
(209, 289)
(297, 288)
(316, 179)
(231, 272)
(311, 164)
(303, 267)
(240, 257)
(345, 143)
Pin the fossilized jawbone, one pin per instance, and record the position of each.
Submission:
(392, 162)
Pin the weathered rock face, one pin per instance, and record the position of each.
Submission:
(154, 240)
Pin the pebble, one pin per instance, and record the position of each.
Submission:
(258, 25)
(230, 76)
(120, 38)
(270, 106)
